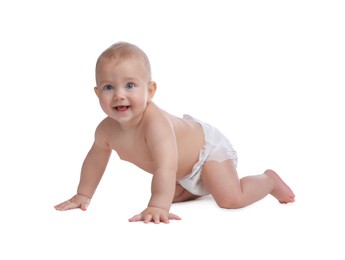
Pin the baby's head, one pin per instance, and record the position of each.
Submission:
(122, 51)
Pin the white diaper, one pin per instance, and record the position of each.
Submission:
(217, 148)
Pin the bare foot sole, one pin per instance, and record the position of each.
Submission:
(281, 191)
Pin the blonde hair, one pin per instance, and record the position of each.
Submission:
(122, 51)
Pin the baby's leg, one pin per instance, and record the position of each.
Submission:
(281, 190)
(181, 194)
(222, 181)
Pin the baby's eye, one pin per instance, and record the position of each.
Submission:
(108, 87)
(130, 85)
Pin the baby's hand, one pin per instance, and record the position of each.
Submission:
(155, 215)
(77, 201)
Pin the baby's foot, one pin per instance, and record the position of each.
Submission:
(281, 190)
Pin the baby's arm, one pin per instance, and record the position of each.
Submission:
(160, 137)
(92, 171)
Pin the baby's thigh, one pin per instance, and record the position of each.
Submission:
(181, 194)
(221, 178)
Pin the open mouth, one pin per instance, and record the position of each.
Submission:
(121, 108)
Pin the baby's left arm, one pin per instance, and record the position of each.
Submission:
(161, 139)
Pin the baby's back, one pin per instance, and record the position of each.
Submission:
(190, 141)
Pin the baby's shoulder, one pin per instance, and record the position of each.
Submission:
(106, 127)
(155, 114)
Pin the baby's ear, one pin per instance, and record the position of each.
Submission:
(96, 91)
(151, 89)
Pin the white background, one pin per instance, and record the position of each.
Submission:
(269, 74)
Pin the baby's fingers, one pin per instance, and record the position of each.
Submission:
(174, 217)
(84, 205)
(135, 218)
(148, 218)
(77, 201)
(66, 205)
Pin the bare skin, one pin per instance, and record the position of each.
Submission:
(159, 143)
(281, 191)
(222, 181)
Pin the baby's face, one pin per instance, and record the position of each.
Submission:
(123, 88)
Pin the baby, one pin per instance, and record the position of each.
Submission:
(186, 157)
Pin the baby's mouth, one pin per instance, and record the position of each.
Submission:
(121, 108)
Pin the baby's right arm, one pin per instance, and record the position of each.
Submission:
(91, 173)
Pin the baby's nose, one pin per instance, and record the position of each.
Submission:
(119, 94)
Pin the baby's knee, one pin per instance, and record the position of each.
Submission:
(230, 203)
